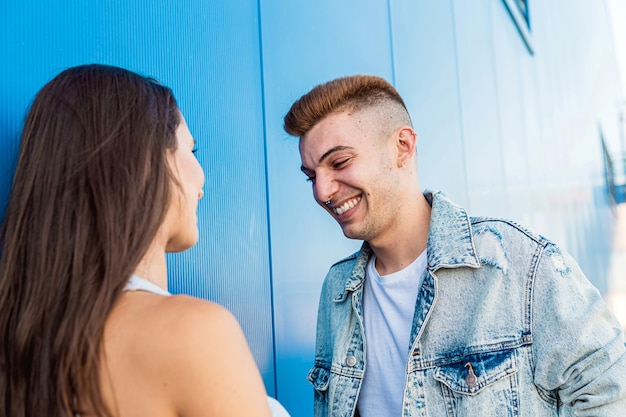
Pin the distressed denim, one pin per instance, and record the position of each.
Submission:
(505, 325)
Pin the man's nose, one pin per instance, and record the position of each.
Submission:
(325, 188)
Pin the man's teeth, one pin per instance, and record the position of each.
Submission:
(347, 206)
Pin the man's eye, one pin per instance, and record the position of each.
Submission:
(340, 162)
(310, 179)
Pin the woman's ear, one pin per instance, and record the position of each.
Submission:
(406, 140)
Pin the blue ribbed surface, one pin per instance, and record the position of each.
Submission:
(208, 53)
(326, 39)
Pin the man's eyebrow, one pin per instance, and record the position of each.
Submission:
(332, 150)
(326, 155)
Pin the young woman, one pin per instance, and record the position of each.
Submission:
(106, 184)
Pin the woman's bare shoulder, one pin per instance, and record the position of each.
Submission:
(201, 354)
(157, 318)
(182, 327)
(191, 317)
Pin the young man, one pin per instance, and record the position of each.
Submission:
(440, 314)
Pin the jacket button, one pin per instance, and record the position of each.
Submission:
(470, 379)
(350, 361)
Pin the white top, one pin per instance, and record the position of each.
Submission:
(136, 283)
(388, 309)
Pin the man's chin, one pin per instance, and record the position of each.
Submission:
(352, 234)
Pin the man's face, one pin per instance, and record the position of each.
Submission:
(352, 164)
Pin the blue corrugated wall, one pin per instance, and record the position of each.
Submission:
(502, 130)
(209, 54)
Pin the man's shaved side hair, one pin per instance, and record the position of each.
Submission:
(353, 93)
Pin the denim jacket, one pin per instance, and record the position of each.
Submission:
(505, 324)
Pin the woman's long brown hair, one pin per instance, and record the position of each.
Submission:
(90, 191)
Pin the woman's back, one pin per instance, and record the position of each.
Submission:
(170, 356)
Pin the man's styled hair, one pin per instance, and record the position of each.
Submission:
(352, 93)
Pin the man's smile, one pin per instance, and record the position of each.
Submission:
(346, 206)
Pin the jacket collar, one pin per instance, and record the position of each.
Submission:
(450, 242)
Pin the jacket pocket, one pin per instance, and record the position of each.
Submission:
(476, 372)
(482, 384)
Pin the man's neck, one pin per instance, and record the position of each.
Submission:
(408, 242)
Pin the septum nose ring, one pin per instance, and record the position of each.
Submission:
(327, 202)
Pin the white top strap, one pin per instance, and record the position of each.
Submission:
(136, 283)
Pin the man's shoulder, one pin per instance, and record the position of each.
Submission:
(456, 235)
(506, 229)
(479, 224)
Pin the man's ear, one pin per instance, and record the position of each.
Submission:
(406, 141)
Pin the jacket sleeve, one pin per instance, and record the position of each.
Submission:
(578, 345)
(319, 374)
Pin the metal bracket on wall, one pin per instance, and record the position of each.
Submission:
(519, 12)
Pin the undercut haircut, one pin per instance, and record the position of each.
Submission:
(352, 93)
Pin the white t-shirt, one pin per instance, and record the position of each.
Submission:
(388, 309)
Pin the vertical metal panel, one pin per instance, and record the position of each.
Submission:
(426, 76)
(305, 43)
(480, 112)
(553, 104)
(209, 53)
(508, 55)
(575, 90)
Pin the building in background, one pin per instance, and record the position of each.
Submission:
(616, 294)
(516, 104)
